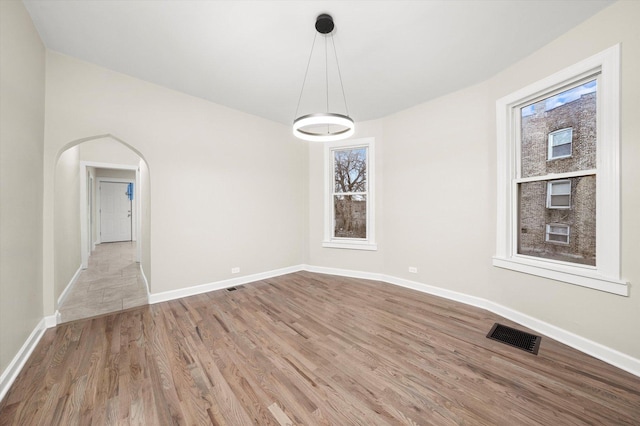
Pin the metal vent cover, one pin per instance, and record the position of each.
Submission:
(516, 338)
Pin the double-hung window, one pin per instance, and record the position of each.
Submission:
(349, 207)
(559, 177)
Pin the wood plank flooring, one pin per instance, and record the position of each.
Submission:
(310, 349)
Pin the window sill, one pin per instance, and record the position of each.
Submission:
(559, 158)
(557, 243)
(350, 245)
(582, 276)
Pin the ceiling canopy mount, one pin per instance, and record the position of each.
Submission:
(324, 24)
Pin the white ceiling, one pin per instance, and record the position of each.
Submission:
(252, 55)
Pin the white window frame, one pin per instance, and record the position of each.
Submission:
(550, 156)
(330, 241)
(605, 276)
(557, 225)
(550, 185)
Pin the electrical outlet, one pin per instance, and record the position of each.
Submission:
(413, 269)
(235, 270)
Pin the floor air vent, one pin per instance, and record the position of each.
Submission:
(519, 339)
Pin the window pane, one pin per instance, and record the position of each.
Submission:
(563, 230)
(350, 213)
(533, 216)
(560, 201)
(350, 170)
(574, 108)
(562, 137)
(561, 150)
(560, 188)
(558, 238)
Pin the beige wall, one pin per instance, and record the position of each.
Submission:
(67, 219)
(22, 61)
(227, 188)
(439, 209)
(424, 184)
(108, 150)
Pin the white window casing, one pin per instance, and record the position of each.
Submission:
(329, 240)
(605, 276)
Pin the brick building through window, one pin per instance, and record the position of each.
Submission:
(557, 217)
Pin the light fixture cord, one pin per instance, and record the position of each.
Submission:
(326, 70)
(344, 97)
(305, 75)
(326, 76)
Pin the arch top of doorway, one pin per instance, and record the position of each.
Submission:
(98, 137)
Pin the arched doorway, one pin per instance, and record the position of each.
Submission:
(95, 275)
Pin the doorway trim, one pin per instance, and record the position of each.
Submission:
(85, 225)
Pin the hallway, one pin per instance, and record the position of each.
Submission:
(112, 282)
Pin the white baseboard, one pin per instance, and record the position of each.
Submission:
(69, 286)
(219, 285)
(343, 272)
(52, 320)
(17, 363)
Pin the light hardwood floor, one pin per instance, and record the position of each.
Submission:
(112, 282)
(310, 349)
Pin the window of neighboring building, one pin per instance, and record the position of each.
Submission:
(349, 202)
(573, 114)
(557, 233)
(559, 194)
(560, 143)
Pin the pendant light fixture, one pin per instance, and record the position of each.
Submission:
(324, 126)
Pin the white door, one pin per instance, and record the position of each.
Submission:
(115, 212)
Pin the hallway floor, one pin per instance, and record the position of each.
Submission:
(111, 283)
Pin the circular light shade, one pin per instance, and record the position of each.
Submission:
(323, 127)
